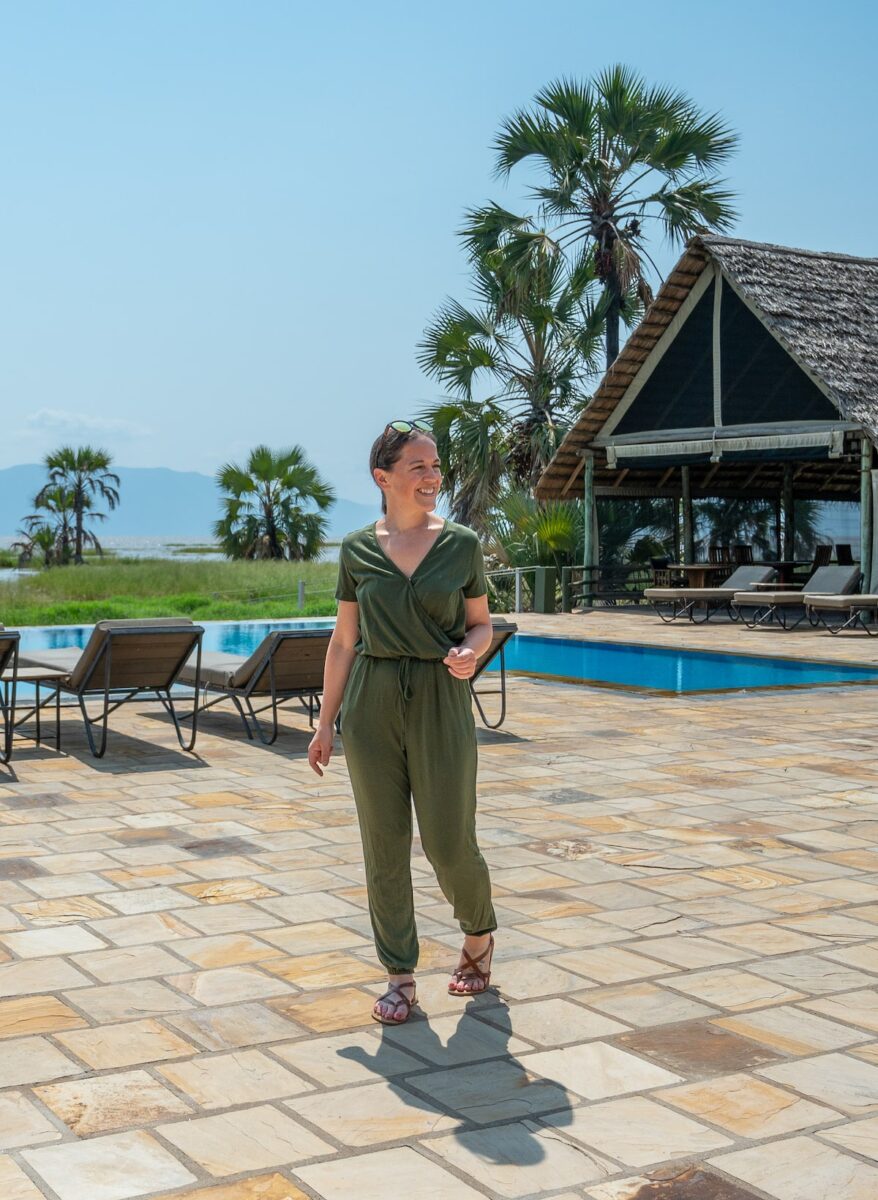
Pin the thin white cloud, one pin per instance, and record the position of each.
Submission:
(59, 421)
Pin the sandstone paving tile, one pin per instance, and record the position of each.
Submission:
(240, 917)
(696, 1049)
(520, 1159)
(863, 956)
(234, 1026)
(533, 978)
(14, 1184)
(346, 1058)
(327, 1011)
(382, 1111)
(125, 963)
(142, 928)
(837, 1079)
(38, 975)
(830, 925)
(227, 891)
(502, 1089)
(148, 899)
(801, 1168)
(611, 964)
(22, 1124)
(748, 1107)
(451, 1040)
(36, 1014)
(868, 1052)
(314, 937)
(644, 1004)
(115, 1167)
(597, 1070)
(790, 1030)
(257, 1187)
(249, 1139)
(109, 1102)
(121, 1001)
(860, 1137)
(125, 1045)
(672, 1183)
(366, 1176)
(32, 1060)
(764, 938)
(734, 989)
(227, 985)
(857, 1008)
(650, 920)
(325, 970)
(573, 932)
(689, 950)
(636, 1131)
(64, 911)
(811, 973)
(226, 950)
(240, 1077)
(307, 907)
(553, 1022)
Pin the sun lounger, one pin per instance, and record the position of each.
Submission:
(779, 606)
(286, 665)
(503, 631)
(688, 601)
(853, 608)
(120, 660)
(9, 674)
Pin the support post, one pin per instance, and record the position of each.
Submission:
(678, 551)
(688, 527)
(544, 589)
(588, 514)
(867, 514)
(778, 526)
(788, 507)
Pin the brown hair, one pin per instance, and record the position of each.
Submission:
(387, 450)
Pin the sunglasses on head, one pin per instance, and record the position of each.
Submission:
(409, 427)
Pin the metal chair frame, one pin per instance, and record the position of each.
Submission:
(7, 693)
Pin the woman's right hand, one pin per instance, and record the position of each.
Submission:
(320, 749)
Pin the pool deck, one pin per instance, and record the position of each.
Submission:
(686, 1000)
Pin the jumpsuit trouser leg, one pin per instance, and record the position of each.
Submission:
(409, 736)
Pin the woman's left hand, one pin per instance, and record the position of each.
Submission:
(461, 662)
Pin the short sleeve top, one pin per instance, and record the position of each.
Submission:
(420, 617)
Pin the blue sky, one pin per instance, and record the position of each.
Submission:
(225, 223)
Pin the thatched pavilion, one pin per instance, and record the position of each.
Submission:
(754, 373)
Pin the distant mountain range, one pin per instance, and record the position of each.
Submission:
(155, 502)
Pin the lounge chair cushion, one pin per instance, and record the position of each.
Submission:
(842, 603)
(79, 662)
(741, 577)
(834, 580)
(217, 669)
(64, 658)
(763, 599)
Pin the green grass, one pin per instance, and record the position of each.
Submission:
(207, 591)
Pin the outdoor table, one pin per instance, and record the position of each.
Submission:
(37, 676)
(697, 573)
(784, 568)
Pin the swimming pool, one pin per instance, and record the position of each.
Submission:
(646, 668)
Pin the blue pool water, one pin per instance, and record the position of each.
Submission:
(656, 668)
(623, 665)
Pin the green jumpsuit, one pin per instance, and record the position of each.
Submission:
(409, 734)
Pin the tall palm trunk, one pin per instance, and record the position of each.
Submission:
(614, 317)
(79, 519)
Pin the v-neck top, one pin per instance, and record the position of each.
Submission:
(418, 617)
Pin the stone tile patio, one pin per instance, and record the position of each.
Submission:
(686, 1001)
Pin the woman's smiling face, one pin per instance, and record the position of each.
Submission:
(415, 478)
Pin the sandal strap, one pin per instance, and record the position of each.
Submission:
(401, 997)
(473, 963)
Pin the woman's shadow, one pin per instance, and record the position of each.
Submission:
(479, 1091)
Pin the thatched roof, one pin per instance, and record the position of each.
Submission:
(821, 307)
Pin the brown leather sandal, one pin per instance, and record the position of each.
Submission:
(398, 997)
(472, 970)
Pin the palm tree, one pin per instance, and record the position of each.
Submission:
(517, 362)
(269, 506)
(54, 515)
(618, 152)
(84, 473)
(723, 522)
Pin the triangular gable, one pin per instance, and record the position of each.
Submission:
(760, 383)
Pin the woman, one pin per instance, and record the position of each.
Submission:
(412, 622)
